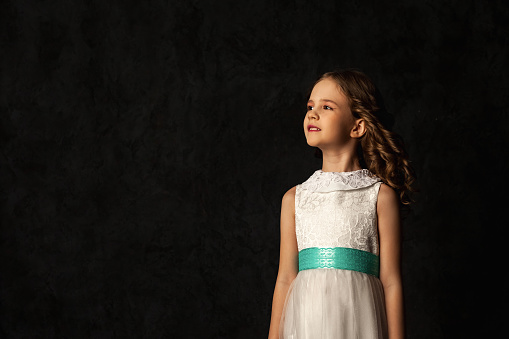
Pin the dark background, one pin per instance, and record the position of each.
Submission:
(146, 147)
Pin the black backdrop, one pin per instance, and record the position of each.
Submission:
(146, 146)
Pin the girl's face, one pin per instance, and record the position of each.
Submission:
(328, 109)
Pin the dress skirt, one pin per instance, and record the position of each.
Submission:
(330, 303)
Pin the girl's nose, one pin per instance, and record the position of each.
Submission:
(312, 114)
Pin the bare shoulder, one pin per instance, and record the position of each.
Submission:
(387, 197)
(387, 206)
(288, 202)
(290, 193)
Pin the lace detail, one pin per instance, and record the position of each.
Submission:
(322, 181)
(338, 209)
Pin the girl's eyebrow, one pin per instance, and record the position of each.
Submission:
(327, 100)
(323, 100)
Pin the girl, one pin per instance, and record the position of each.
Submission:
(339, 270)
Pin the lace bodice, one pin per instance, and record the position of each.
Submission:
(338, 209)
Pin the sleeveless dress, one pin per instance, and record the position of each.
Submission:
(337, 292)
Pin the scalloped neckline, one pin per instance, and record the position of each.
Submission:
(322, 171)
(321, 181)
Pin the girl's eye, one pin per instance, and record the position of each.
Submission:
(327, 107)
(310, 108)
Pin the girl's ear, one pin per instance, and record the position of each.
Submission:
(359, 128)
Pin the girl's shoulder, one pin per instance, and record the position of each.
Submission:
(289, 199)
(387, 198)
(290, 194)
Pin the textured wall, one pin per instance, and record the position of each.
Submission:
(145, 149)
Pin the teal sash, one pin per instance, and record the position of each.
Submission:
(339, 257)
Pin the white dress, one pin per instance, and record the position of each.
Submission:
(336, 210)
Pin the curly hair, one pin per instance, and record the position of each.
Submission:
(380, 150)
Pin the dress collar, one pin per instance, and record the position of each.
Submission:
(321, 181)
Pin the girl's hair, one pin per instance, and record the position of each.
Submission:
(381, 150)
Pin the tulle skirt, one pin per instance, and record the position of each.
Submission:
(330, 303)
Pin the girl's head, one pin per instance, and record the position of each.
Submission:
(360, 118)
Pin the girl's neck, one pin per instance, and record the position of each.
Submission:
(340, 165)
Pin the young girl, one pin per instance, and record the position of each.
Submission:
(339, 270)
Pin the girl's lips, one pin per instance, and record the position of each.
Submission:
(316, 129)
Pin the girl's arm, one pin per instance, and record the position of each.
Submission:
(389, 226)
(288, 260)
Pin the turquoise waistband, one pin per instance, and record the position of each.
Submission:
(339, 257)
